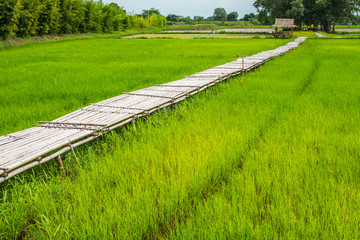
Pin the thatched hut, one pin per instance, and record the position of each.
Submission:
(284, 23)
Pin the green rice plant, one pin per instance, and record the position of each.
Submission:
(309, 34)
(273, 157)
(346, 26)
(45, 81)
(300, 179)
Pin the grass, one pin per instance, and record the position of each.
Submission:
(15, 42)
(346, 26)
(55, 78)
(241, 27)
(300, 179)
(195, 36)
(309, 34)
(273, 157)
(209, 27)
(337, 35)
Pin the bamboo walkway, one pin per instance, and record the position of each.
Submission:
(25, 149)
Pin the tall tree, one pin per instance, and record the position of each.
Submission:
(148, 13)
(296, 11)
(38, 17)
(220, 14)
(93, 17)
(72, 16)
(109, 13)
(233, 16)
(249, 17)
(49, 17)
(173, 18)
(8, 18)
(198, 19)
(28, 18)
(324, 12)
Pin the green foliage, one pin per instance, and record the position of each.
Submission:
(8, 18)
(148, 13)
(249, 17)
(49, 17)
(233, 16)
(274, 157)
(72, 16)
(94, 17)
(173, 18)
(198, 19)
(296, 11)
(92, 70)
(29, 13)
(323, 12)
(110, 15)
(25, 18)
(219, 14)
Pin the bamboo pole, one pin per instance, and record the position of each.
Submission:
(61, 165)
(243, 68)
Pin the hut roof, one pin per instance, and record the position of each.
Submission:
(284, 23)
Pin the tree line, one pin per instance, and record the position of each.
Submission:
(23, 18)
(318, 12)
(220, 14)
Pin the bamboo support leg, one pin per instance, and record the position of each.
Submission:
(243, 68)
(61, 165)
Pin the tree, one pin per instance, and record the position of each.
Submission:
(329, 12)
(198, 19)
(324, 12)
(49, 17)
(249, 17)
(28, 18)
(220, 14)
(38, 17)
(72, 16)
(186, 19)
(108, 17)
(233, 16)
(173, 18)
(93, 17)
(148, 13)
(8, 18)
(296, 11)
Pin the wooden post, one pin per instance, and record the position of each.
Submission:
(61, 165)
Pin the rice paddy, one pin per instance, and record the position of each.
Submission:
(273, 156)
(56, 78)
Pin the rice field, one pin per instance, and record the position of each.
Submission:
(342, 35)
(196, 36)
(273, 156)
(55, 78)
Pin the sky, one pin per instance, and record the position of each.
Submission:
(186, 8)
